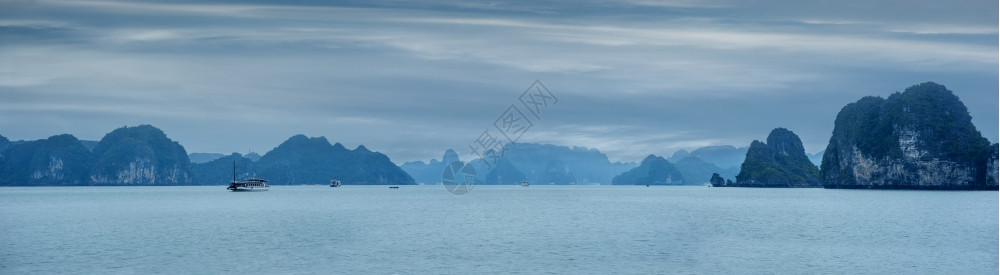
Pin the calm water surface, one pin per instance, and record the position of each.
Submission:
(495, 229)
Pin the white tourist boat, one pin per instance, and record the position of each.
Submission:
(251, 184)
(335, 183)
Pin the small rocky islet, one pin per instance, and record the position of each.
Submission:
(781, 162)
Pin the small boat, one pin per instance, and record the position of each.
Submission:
(251, 184)
(524, 183)
(335, 183)
(393, 187)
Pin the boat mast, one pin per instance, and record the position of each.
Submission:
(234, 171)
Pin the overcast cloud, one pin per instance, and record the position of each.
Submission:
(411, 80)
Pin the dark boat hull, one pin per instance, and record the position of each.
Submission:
(245, 189)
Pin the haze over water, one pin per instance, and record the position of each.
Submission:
(495, 229)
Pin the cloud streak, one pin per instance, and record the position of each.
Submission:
(433, 74)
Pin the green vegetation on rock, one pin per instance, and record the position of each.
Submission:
(57, 160)
(140, 155)
(781, 162)
(922, 138)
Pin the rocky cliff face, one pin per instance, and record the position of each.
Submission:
(58, 160)
(922, 138)
(781, 162)
(141, 155)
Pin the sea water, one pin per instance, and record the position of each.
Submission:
(495, 229)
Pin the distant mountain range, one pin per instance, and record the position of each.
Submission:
(921, 138)
(696, 171)
(206, 157)
(724, 156)
(817, 158)
(563, 165)
(430, 172)
(143, 155)
(728, 156)
(553, 164)
(220, 170)
(536, 163)
(304, 160)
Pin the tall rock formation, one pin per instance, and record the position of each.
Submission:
(303, 160)
(141, 155)
(781, 162)
(653, 170)
(58, 160)
(922, 138)
(537, 163)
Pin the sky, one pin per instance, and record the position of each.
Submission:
(412, 79)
